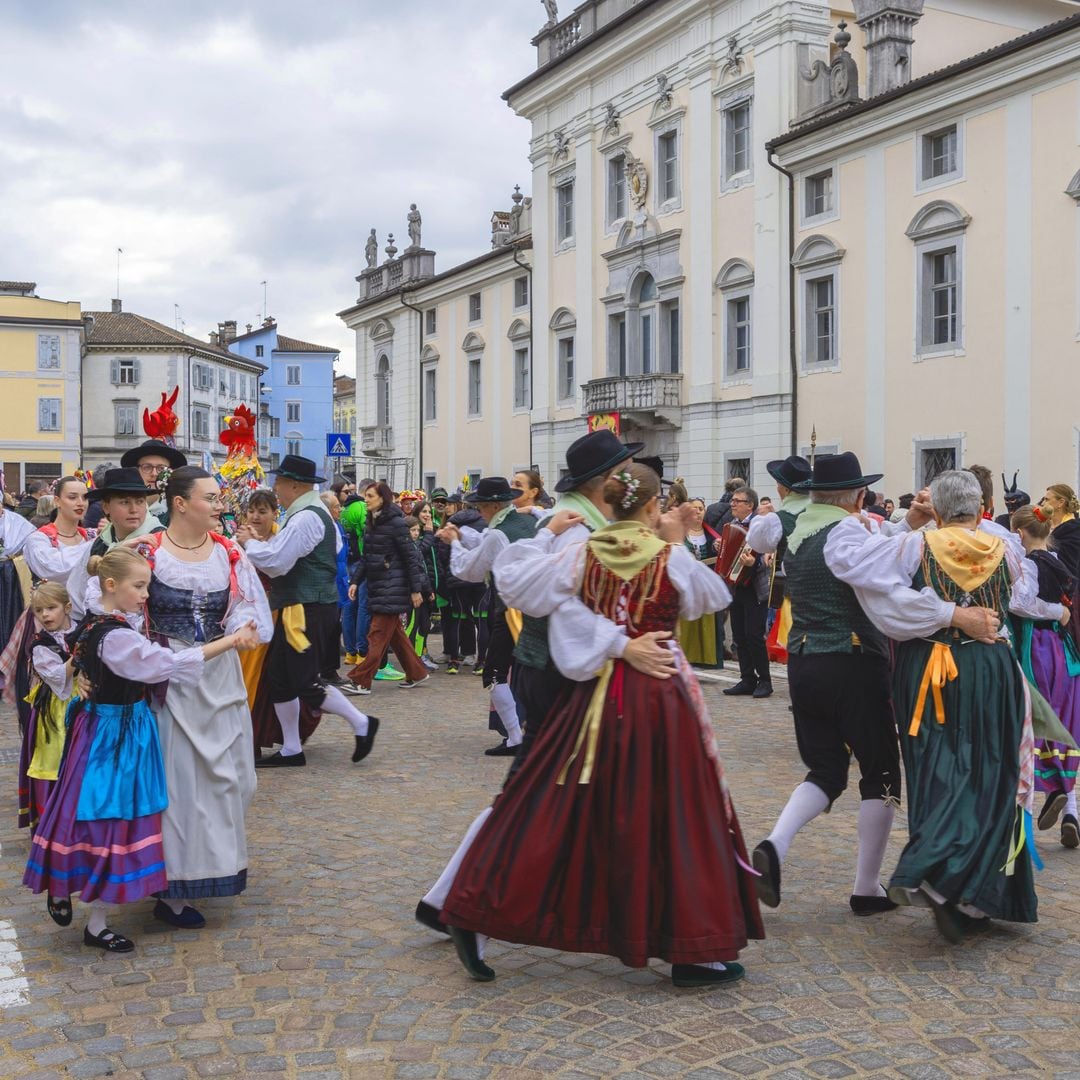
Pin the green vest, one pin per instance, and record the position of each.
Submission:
(825, 614)
(313, 578)
(517, 526)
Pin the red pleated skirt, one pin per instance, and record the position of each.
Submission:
(639, 862)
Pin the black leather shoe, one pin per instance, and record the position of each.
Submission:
(108, 940)
(871, 905)
(429, 916)
(1070, 832)
(59, 910)
(188, 919)
(278, 761)
(502, 750)
(696, 975)
(740, 689)
(1051, 809)
(364, 743)
(465, 943)
(763, 689)
(951, 921)
(767, 864)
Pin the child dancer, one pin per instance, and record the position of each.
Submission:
(100, 834)
(49, 697)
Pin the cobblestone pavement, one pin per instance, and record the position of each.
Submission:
(319, 970)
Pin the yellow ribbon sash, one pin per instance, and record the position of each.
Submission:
(940, 669)
(295, 627)
(589, 734)
(514, 621)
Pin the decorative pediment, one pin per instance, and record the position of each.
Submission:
(817, 250)
(473, 342)
(429, 355)
(939, 218)
(563, 319)
(519, 328)
(735, 274)
(381, 330)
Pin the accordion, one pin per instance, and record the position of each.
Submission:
(729, 547)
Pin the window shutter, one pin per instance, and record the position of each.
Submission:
(43, 415)
(114, 371)
(137, 374)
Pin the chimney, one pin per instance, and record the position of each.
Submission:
(227, 331)
(267, 322)
(889, 27)
(116, 307)
(213, 337)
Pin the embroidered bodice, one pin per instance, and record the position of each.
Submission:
(647, 603)
(189, 615)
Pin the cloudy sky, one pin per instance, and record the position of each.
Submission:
(223, 144)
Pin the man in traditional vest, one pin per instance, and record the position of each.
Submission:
(472, 556)
(301, 560)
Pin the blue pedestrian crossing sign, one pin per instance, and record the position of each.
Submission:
(338, 444)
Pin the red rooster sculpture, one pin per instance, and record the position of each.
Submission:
(239, 434)
(163, 422)
(240, 473)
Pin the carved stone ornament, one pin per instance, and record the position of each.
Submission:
(611, 120)
(733, 61)
(390, 249)
(827, 88)
(663, 91)
(551, 9)
(562, 145)
(371, 249)
(637, 181)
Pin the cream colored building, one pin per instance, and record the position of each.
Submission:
(444, 379)
(661, 247)
(941, 223)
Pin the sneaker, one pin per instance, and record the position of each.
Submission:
(360, 690)
(452, 668)
(352, 658)
(391, 673)
(429, 663)
(470, 660)
(478, 671)
(410, 684)
(1070, 831)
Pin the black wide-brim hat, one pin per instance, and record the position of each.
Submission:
(492, 489)
(300, 469)
(593, 454)
(790, 471)
(173, 456)
(838, 472)
(127, 481)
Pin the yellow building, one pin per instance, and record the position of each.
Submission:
(40, 408)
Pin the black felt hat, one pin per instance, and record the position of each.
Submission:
(790, 471)
(492, 489)
(593, 454)
(122, 482)
(300, 469)
(837, 472)
(173, 456)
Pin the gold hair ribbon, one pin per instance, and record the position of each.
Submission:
(295, 627)
(589, 734)
(940, 669)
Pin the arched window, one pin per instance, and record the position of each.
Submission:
(382, 392)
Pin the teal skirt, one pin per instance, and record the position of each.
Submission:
(962, 779)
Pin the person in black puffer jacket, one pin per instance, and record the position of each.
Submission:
(463, 633)
(390, 564)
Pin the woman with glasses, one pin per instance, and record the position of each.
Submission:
(203, 587)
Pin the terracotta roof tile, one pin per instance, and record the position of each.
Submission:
(127, 328)
(291, 344)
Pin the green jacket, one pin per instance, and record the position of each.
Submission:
(353, 518)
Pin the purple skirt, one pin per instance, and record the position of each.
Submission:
(1056, 765)
(113, 860)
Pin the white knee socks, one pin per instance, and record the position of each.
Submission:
(1070, 802)
(96, 921)
(806, 802)
(502, 701)
(437, 894)
(288, 716)
(875, 821)
(338, 704)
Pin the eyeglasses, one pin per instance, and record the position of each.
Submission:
(744, 502)
(152, 470)
(213, 500)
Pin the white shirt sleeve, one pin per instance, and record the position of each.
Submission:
(48, 562)
(701, 589)
(473, 564)
(250, 603)
(1025, 601)
(581, 641)
(278, 555)
(14, 529)
(52, 670)
(128, 654)
(470, 538)
(536, 576)
(765, 533)
(78, 583)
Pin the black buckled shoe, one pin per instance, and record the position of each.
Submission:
(871, 905)
(767, 864)
(428, 915)
(502, 750)
(109, 941)
(365, 743)
(59, 910)
(465, 944)
(696, 975)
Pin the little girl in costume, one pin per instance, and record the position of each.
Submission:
(100, 834)
(49, 697)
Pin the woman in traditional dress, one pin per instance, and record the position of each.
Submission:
(618, 834)
(203, 588)
(697, 637)
(1051, 662)
(14, 530)
(100, 835)
(961, 705)
(531, 485)
(1062, 506)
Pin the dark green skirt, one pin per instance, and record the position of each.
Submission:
(962, 778)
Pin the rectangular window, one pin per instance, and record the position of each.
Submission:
(738, 335)
(232, 384)
(566, 369)
(668, 165)
(821, 321)
(431, 320)
(646, 344)
(934, 460)
(940, 270)
(737, 140)
(292, 446)
(474, 478)
(292, 374)
(521, 379)
(431, 481)
(292, 412)
(476, 307)
(819, 194)
(125, 419)
(564, 212)
(475, 398)
(275, 427)
(223, 386)
(125, 371)
(275, 460)
(616, 188)
(617, 345)
(940, 156)
(48, 352)
(49, 414)
(258, 350)
(738, 468)
(430, 401)
(670, 359)
(521, 292)
(200, 423)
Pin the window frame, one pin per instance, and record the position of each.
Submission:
(565, 240)
(49, 425)
(736, 283)
(474, 411)
(294, 412)
(429, 373)
(289, 369)
(926, 182)
(431, 321)
(259, 351)
(566, 359)
(924, 444)
(131, 407)
(818, 259)
(50, 347)
(936, 228)
(734, 98)
(807, 218)
(521, 285)
(614, 184)
(478, 297)
(522, 377)
(200, 422)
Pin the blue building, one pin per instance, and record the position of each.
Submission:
(297, 395)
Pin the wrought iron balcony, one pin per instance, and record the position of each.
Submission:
(633, 393)
(376, 439)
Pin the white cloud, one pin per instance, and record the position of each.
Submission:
(223, 145)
